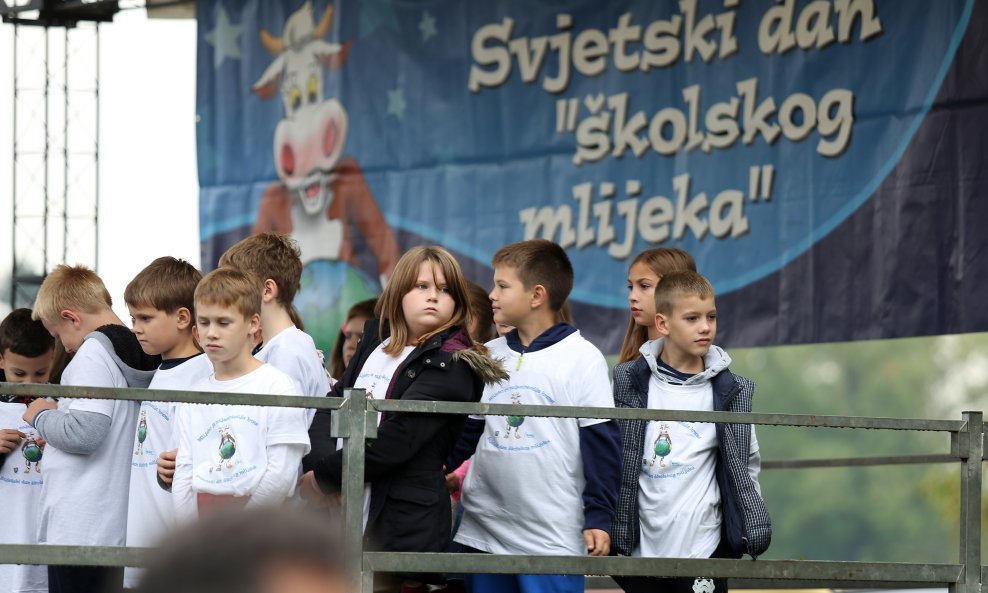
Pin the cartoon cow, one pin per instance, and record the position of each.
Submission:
(320, 196)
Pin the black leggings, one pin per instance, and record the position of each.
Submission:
(85, 579)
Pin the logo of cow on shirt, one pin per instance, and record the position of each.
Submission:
(142, 433)
(227, 448)
(32, 454)
(519, 433)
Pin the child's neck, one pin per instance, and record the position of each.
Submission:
(101, 318)
(681, 361)
(534, 325)
(274, 320)
(237, 367)
(184, 349)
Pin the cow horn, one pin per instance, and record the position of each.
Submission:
(273, 44)
(323, 26)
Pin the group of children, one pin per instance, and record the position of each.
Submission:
(117, 472)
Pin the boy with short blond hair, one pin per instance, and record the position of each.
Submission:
(235, 455)
(26, 356)
(161, 303)
(568, 508)
(688, 489)
(275, 258)
(87, 458)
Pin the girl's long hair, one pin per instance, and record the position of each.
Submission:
(406, 273)
(662, 261)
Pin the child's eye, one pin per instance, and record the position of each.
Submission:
(444, 289)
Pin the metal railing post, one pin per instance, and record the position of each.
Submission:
(354, 422)
(969, 445)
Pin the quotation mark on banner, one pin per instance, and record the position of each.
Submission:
(760, 182)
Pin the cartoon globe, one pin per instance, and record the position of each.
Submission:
(515, 421)
(227, 448)
(663, 447)
(142, 432)
(32, 452)
(327, 290)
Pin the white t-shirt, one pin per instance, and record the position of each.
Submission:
(222, 449)
(375, 377)
(523, 493)
(294, 353)
(84, 497)
(150, 511)
(678, 497)
(20, 491)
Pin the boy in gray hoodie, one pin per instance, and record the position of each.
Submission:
(87, 458)
(688, 489)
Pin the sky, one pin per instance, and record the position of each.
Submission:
(149, 205)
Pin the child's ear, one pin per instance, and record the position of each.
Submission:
(270, 291)
(539, 296)
(662, 324)
(71, 316)
(183, 318)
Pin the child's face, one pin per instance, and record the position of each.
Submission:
(641, 294)
(26, 369)
(691, 327)
(510, 300)
(352, 332)
(68, 328)
(223, 332)
(157, 331)
(429, 304)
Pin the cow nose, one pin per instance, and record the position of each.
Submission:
(288, 159)
(329, 138)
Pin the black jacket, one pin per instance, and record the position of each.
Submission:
(409, 506)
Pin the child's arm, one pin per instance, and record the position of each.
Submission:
(183, 496)
(600, 448)
(401, 436)
(466, 446)
(280, 475)
(72, 431)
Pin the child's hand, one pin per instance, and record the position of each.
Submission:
(166, 465)
(9, 439)
(310, 491)
(453, 482)
(598, 542)
(36, 406)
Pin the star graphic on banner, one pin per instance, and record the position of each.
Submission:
(224, 39)
(427, 26)
(375, 14)
(396, 103)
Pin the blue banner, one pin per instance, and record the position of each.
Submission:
(819, 159)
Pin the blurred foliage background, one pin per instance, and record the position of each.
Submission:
(892, 513)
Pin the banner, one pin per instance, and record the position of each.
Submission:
(822, 161)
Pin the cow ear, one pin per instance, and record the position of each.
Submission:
(332, 55)
(267, 86)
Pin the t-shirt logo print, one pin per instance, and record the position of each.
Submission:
(32, 454)
(514, 422)
(227, 448)
(663, 446)
(142, 433)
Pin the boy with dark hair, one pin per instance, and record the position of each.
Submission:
(161, 303)
(26, 356)
(568, 509)
(235, 455)
(87, 459)
(275, 259)
(688, 489)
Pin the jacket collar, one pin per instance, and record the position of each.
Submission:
(723, 382)
(553, 335)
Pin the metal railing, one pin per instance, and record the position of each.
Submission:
(355, 420)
